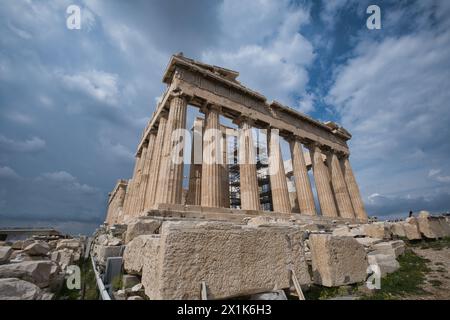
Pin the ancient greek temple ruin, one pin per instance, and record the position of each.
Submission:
(228, 189)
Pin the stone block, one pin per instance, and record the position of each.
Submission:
(429, 226)
(142, 226)
(337, 261)
(380, 230)
(368, 242)
(104, 252)
(5, 254)
(398, 229)
(136, 252)
(395, 248)
(386, 262)
(40, 248)
(37, 272)
(16, 289)
(233, 260)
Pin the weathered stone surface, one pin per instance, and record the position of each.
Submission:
(274, 295)
(129, 281)
(346, 231)
(5, 254)
(40, 248)
(445, 226)
(137, 251)
(63, 257)
(16, 289)
(233, 260)
(395, 248)
(386, 262)
(380, 230)
(104, 252)
(142, 226)
(411, 228)
(367, 241)
(37, 272)
(72, 244)
(430, 226)
(337, 261)
(398, 229)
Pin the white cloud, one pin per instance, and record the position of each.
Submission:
(20, 118)
(34, 144)
(8, 173)
(262, 40)
(102, 86)
(66, 181)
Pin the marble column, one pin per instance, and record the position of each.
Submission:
(247, 168)
(225, 174)
(278, 183)
(340, 191)
(353, 189)
(129, 193)
(322, 180)
(138, 182)
(150, 193)
(170, 178)
(194, 195)
(305, 196)
(146, 177)
(212, 159)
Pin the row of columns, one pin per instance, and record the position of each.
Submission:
(157, 178)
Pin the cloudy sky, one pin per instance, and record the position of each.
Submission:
(73, 103)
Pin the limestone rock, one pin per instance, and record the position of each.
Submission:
(337, 261)
(71, 244)
(37, 272)
(411, 228)
(16, 289)
(274, 295)
(429, 226)
(386, 262)
(398, 229)
(343, 231)
(104, 252)
(137, 250)
(129, 281)
(232, 259)
(368, 242)
(379, 230)
(395, 248)
(40, 248)
(5, 254)
(141, 226)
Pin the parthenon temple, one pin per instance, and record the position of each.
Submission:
(242, 183)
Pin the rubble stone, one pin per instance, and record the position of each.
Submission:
(379, 230)
(5, 254)
(40, 248)
(141, 226)
(337, 261)
(16, 289)
(137, 251)
(37, 272)
(386, 262)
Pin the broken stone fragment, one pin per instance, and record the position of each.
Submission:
(395, 248)
(5, 254)
(380, 230)
(386, 262)
(40, 248)
(337, 261)
(37, 272)
(137, 251)
(141, 226)
(17, 289)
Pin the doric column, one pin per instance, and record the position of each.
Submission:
(150, 194)
(146, 177)
(341, 195)
(302, 184)
(170, 178)
(212, 159)
(194, 196)
(353, 190)
(138, 181)
(278, 183)
(247, 167)
(225, 174)
(322, 180)
(131, 182)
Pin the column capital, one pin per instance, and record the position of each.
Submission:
(244, 118)
(208, 107)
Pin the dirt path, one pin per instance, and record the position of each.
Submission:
(437, 285)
